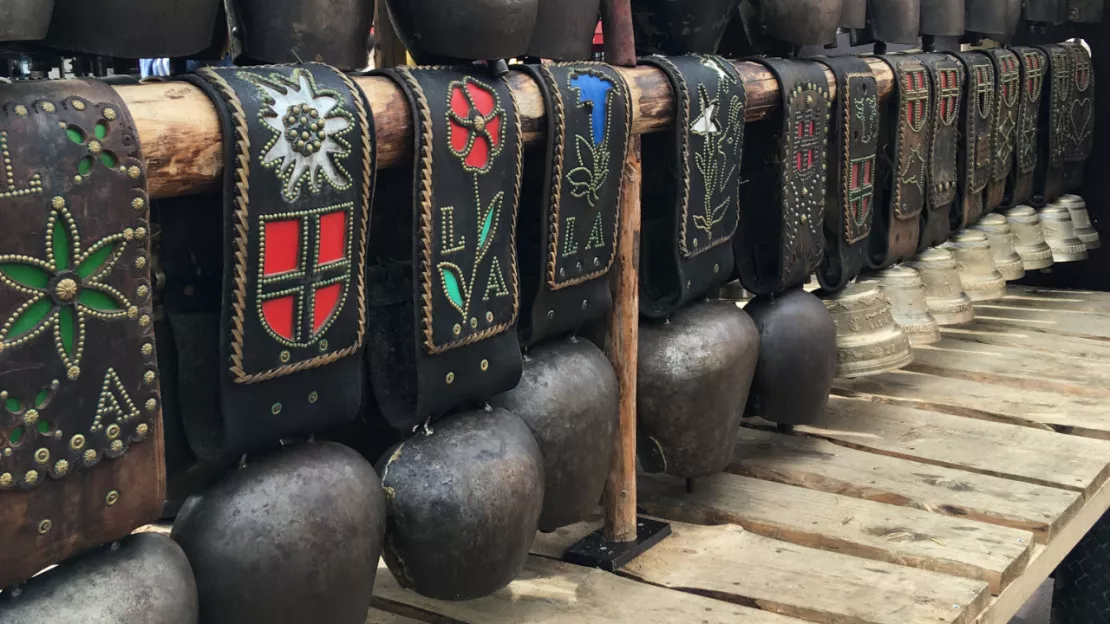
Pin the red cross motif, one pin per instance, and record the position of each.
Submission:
(861, 187)
(916, 97)
(984, 88)
(305, 268)
(1034, 74)
(948, 94)
(805, 144)
(1008, 78)
(1082, 68)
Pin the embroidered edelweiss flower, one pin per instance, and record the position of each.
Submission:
(475, 122)
(308, 124)
(64, 289)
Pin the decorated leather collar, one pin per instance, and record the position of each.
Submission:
(850, 197)
(1054, 128)
(904, 137)
(977, 120)
(948, 76)
(570, 202)
(298, 182)
(1079, 115)
(780, 240)
(1007, 69)
(691, 182)
(1034, 63)
(79, 402)
(445, 292)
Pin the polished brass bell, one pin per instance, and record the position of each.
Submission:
(981, 279)
(868, 341)
(1084, 231)
(944, 292)
(1001, 239)
(1029, 238)
(1059, 233)
(906, 292)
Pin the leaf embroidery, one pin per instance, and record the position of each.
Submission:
(453, 286)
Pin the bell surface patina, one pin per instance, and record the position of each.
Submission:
(679, 26)
(975, 264)
(1046, 11)
(797, 357)
(1001, 239)
(130, 29)
(565, 30)
(943, 18)
(694, 374)
(1059, 234)
(475, 29)
(1081, 219)
(997, 19)
(868, 340)
(853, 14)
(906, 292)
(944, 292)
(1029, 238)
(24, 20)
(895, 21)
(464, 504)
(290, 538)
(568, 398)
(799, 22)
(142, 579)
(335, 32)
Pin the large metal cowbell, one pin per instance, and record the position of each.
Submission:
(290, 31)
(942, 18)
(130, 29)
(895, 21)
(996, 18)
(24, 20)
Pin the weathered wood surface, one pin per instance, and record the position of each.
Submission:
(852, 526)
(180, 133)
(1056, 322)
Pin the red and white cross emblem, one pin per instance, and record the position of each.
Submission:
(948, 94)
(916, 97)
(1008, 78)
(1034, 74)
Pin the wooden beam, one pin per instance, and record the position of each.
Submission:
(180, 132)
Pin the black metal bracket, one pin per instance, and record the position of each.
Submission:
(594, 551)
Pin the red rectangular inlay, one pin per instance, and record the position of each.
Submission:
(283, 246)
(325, 302)
(279, 315)
(333, 237)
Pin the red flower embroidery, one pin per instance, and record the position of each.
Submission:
(474, 119)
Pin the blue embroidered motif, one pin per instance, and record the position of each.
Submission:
(593, 92)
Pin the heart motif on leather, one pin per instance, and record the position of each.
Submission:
(1081, 111)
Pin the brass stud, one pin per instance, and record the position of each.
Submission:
(31, 477)
(116, 446)
(42, 455)
(77, 442)
(132, 312)
(138, 203)
(284, 356)
(113, 431)
(31, 416)
(61, 467)
(90, 457)
(94, 146)
(134, 172)
(484, 365)
(489, 317)
(275, 409)
(450, 378)
(110, 114)
(73, 372)
(473, 322)
(323, 346)
(66, 289)
(45, 526)
(142, 430)
(58, 203)
(140, 262)
(77, 105)
(144, 321)
(151, 405)
(148, 377)
(147, 348)
(6, 480)
(457, 329)
(48, 107)
(20, 110)
(313, 396)
(140, 233)
(112, 498)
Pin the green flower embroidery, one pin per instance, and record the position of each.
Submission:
(64, 289)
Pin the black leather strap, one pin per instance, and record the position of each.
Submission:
(904, 133)
(445, 294)
(948, 79)
(298, 182)
(1007, 70)
(977, 123)
(780, 240)
(1048, 183)
(850, 196)
(571, 197)
(1034, 65)
(691, 182)
(1080, 116)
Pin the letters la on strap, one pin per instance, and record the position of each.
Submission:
(79, 403)
(298, 181)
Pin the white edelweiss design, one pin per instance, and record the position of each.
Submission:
(308, 124)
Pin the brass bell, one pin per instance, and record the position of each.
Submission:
(1001, 239)
(1028, 238)
(867, 339)
(944, 292)
(981, 279)
(906, 292)
(1084, 231)
(1059, 233)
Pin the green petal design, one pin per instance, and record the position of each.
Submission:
(451, 277)
(40, 398)
(16, 435)
(76, 135)
(29, 318)
(84, 166)
(59, 242)
(43, 426)
(101, 130)
(13, 405)
(486, 227)
(98, 300)
(97, 258)
(109, 159)
(489, 225)
(67, 328)
(24, 274)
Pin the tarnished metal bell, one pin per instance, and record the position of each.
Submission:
(944, 293)
(797, 357)
(568, 397)
(1029, 238)
(464, 502)
(475, 29)
(895, 21)
(996, 18)
(1085, 11)
(1059, 234)
(679, 26)
(868, 341)
(942, 18)
(906, 292)
(978, 274)
(732, 291)
(1081, 219)
(24, 20)
(133, 29)
(853, 14)
(293, 537)
(1001, 238)
(565, 30)
(800, 22)
(1046, 11)
(142, 579)
(695, 370)
(335, 32)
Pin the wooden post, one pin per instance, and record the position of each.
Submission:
(620, 45)
(388, 49)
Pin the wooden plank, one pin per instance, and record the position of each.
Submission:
(1029, 408)
(377, 616)
(1015, 367)
(997, 449)
(999, 333)
(818, 464)
(1052, 299)
(1092, 297)
(862, 528)
(553, 592)
(735, 565)
(1063, 323)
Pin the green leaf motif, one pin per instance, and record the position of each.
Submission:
(109, 159)
(101, 130)
(40, 398)
(43, 426)
(96, 258)
(30, 318)
(67, 327)
(76, 135)
(13, 405)
(60, 243)
(16, 435)
(27, 275)
(98, 300)
(451, 277)
(84, 166)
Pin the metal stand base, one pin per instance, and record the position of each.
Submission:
(594, 551)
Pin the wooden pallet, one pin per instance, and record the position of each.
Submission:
(944, 493)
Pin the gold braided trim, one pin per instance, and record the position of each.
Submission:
(558, 116)
(682, 127)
